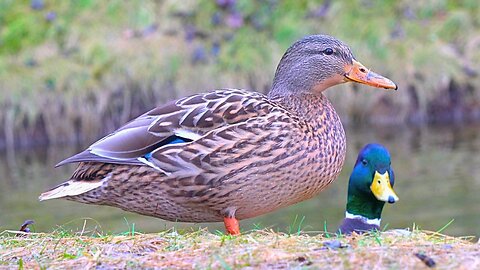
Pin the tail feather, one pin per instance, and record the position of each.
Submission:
(71, 188)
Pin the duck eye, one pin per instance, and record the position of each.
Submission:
(364, 162)
(328, 51)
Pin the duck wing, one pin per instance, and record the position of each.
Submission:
(178, 122)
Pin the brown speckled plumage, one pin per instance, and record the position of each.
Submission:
(244, 154)
(235, 175)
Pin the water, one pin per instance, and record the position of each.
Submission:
(437, 179)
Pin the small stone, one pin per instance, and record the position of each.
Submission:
(303, 260)
(425, 259)
(447, 246)
(334, 244)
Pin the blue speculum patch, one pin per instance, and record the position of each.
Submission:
(174, 139)
(179, 140)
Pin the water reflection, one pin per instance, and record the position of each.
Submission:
(437, 172)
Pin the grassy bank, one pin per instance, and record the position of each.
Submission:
(74, 70)
(259, 249)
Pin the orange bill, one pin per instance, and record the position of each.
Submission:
(360, 74)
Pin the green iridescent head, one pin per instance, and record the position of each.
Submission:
(371, 182)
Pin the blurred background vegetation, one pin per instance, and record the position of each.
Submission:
(70, 71)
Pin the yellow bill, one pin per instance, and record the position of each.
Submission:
(382, 189)
(360, 74)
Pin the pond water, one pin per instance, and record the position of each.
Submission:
(437, 179)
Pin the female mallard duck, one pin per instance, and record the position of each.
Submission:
(369, 187)
(228, 154)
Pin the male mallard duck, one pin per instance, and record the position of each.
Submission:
(369, 187)
(228, 154)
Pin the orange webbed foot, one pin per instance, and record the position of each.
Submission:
(231, 225)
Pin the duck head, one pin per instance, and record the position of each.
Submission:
(318, 62)
(370, 186)
(371, 183)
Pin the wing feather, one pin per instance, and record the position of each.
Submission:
(194, 115)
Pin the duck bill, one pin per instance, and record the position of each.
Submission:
(382, 189)
(356, 72)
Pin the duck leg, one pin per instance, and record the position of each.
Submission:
(231, 225)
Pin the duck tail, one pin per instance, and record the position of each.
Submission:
(70, 188)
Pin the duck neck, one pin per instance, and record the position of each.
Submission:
(366, 206)
(288, 87)
(316, 109)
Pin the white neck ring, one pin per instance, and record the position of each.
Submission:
(374, 221)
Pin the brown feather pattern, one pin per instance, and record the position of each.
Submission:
(255, 156)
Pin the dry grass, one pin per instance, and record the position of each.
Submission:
(262, 249)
